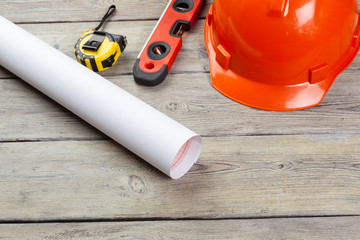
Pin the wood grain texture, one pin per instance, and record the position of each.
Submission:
(36, 11)
(63, 36)
(344, 228)
(26, 114)
(255, 164)
(235, 177)
(192, 58)
(83, 10)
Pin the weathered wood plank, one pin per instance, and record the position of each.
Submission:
(341, 228)
(26, 114)
(235, 177)
(63, 36)
(192, 58)
(83, 10)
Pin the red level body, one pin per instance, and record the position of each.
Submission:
(160, 51)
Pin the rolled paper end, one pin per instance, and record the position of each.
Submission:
(186, 157)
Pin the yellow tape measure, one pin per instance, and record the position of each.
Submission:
(99, 50)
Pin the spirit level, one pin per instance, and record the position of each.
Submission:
(160, 51)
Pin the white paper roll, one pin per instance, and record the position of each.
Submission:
(148, 133)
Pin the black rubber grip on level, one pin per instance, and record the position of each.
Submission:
(149, 79)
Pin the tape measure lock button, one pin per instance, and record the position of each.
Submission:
(109, 61)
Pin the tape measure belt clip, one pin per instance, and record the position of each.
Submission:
(94, 42)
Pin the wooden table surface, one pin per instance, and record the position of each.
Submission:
(261, 175)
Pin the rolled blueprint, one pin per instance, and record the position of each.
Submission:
(156, 138)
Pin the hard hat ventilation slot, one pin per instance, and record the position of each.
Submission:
(356, 37)
(279, 8)
(209, 17)
(223, 57)
(319, 73)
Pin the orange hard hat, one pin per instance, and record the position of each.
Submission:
(280, 55)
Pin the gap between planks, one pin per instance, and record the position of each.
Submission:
(96, 21)
(154, 219)
(106, 138)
